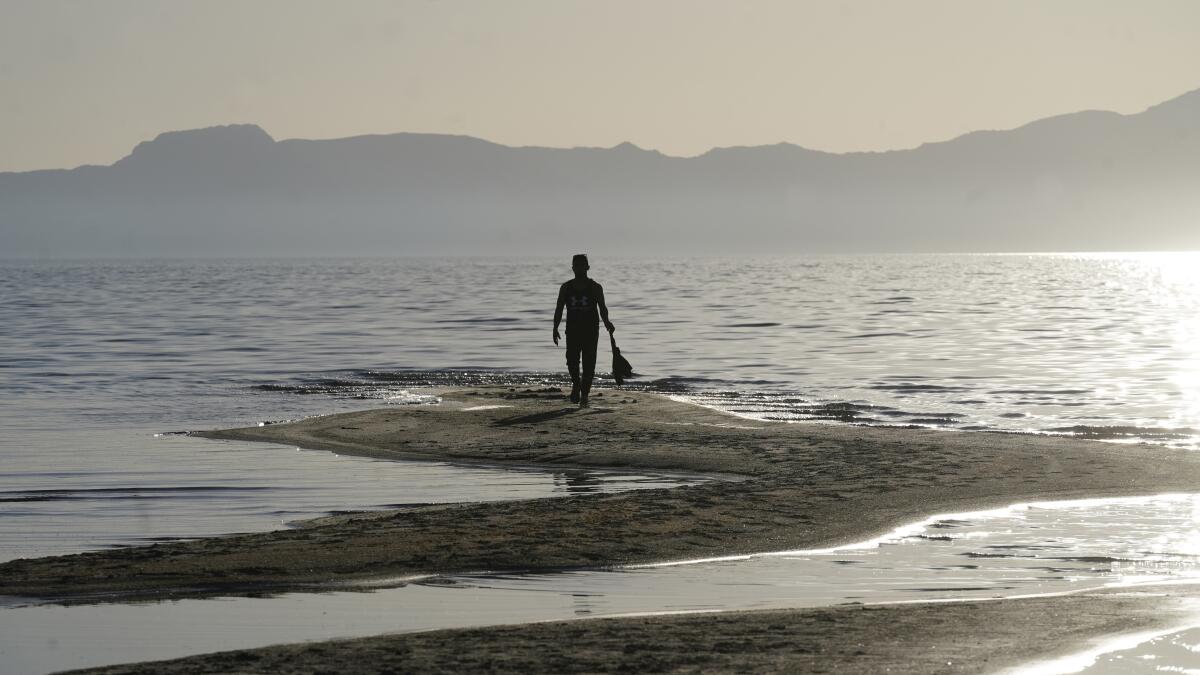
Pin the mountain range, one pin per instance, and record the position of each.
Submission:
(1083, 181)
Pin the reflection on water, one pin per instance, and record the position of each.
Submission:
(174, 487)
(1040, 548)
(96, 357)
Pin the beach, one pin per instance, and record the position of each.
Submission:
(777, 487)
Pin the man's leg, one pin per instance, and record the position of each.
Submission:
(574, 346)
(589, 361)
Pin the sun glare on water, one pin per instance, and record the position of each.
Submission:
(1176, 279)
(1180, 277)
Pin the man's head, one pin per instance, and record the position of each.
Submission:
(579, 263)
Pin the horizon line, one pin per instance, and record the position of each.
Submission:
(601, 255)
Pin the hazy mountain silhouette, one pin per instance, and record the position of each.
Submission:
(1083, 181)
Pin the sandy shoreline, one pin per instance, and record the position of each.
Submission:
(806, 486)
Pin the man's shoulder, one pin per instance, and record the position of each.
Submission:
(568, 286)
(571, 282)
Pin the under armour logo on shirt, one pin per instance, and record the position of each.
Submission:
(579, 300)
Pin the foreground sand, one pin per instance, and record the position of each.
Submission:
(804, 486)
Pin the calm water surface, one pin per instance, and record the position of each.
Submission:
(100, 361)
(1095, 344)
(99, 357)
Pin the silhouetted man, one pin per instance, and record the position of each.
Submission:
(584, 300)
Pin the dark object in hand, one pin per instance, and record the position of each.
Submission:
(621, 370)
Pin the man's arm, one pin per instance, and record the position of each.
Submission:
(558, 308)
(603, 308)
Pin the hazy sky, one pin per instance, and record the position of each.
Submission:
(82, 82)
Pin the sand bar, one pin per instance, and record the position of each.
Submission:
(802, 486)
(806, 486)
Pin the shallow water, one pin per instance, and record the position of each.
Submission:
(1040, 548)
(1170, 650)
(1094, 344)
(174, 487)
(97, 358)
(1174, 652)
(1101, 346)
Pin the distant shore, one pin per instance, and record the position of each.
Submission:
(803, 486)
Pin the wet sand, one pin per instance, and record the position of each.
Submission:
(804, 486)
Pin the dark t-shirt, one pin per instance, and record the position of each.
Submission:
(582, 301)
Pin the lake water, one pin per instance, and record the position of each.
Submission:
(100, 360)
(99, 357)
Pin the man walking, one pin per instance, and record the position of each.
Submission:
(584, 300)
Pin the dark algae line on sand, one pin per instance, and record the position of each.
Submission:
(805, 486)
